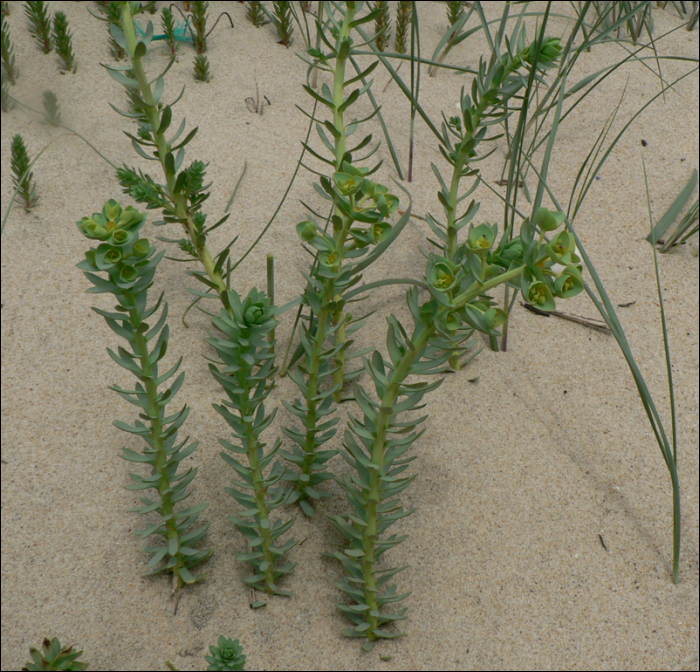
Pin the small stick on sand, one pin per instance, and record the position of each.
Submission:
(586, 321)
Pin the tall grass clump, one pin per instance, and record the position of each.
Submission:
(604, 17)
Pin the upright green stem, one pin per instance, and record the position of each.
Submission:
(164, 149)
(262, 518)
(463, 152)
(155, 414)
(452, 224)
(452, 206)
(386, 413)
(271, 290)
(339, 316)
(473, 292)
(676, 523)
(312, 397)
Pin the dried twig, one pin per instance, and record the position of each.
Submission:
(585, 321)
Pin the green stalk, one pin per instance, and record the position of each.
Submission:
(155, 415)
(321, 7)
(271, 291)
(463, 152)
(452, 224)
(474, 291)
(151, 110)
(385, 415)
(312, 401)
(339, 316)
(263, 516)
(452, 205)
(246, 376)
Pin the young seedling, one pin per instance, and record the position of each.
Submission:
(53, 656)
(404, 16)
(255, 14)
(181, 31)
(257, 104)
(376, 446)
(169, 29)
(39, 23)
(7, 51)
(282, 19)
(455, 10)
(130, 263)
(358, 234)
(52, 108)
(199, 23)
(63, 42)
(227, 656)
(454, 35)
(23, 178)
(201, 68)
(246, 374)
(112, 12)
(382, 30)
(688, 225)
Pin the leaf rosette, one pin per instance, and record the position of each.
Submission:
(102, 225)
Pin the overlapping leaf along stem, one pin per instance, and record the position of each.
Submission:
(131, 264)
(184, 191)
(376, 446)
(356, 201)
(247, 354)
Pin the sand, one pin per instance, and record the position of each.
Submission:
(531, 458)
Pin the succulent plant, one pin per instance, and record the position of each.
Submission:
(55, 657)
(227, 656)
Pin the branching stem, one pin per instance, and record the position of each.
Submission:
(151, 109)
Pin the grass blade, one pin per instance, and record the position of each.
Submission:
(670, 215)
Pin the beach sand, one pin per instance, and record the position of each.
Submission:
(541, 537)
